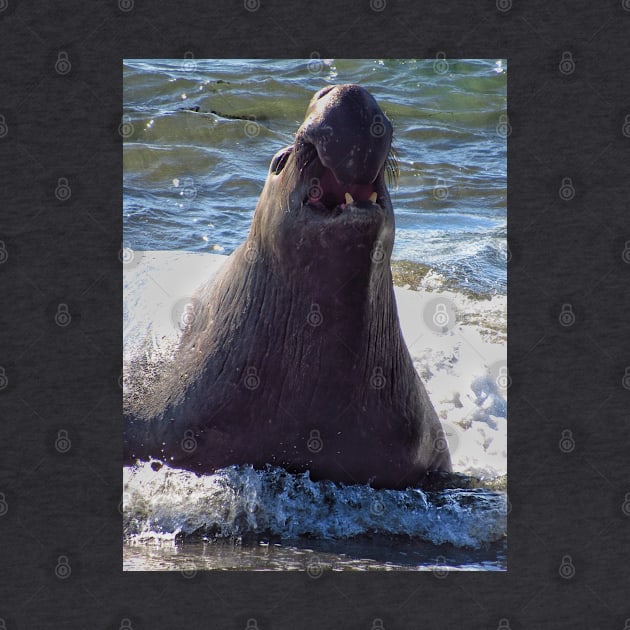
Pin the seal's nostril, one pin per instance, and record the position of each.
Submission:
(279, 160)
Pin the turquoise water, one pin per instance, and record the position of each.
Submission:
(192, 179)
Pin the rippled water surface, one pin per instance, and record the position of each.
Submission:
(192, 179)
(313, 557)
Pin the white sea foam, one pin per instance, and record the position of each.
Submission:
(463, 367)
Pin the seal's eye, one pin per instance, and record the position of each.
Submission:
(279, 160)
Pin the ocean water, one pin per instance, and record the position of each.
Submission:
(191, 182)
(192, 179)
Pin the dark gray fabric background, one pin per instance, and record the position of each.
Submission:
(571, 505)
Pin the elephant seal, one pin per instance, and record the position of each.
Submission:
(293, 356)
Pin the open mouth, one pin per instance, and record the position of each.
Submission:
(326, 191)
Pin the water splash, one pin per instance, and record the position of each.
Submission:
(236, 501)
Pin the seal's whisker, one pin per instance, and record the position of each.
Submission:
(293, 170)
(392, 168)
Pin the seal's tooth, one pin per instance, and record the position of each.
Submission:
(373, 197)
(349, 198)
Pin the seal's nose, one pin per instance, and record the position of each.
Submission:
(351, 133)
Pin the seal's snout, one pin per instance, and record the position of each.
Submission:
(345, 140)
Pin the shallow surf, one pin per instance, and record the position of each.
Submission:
(272, 520)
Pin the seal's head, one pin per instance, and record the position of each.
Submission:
(328, 187)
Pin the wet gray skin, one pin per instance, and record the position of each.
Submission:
(295, 356)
